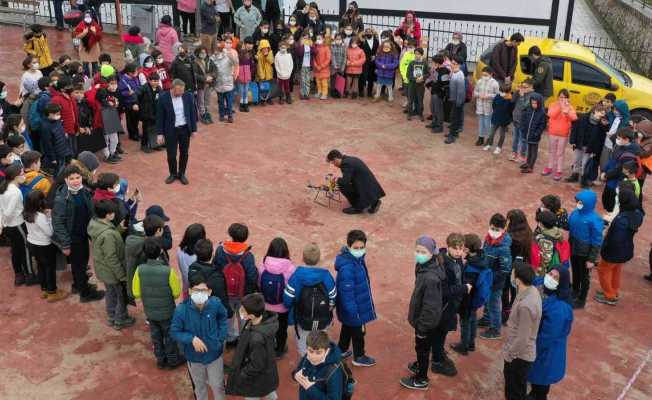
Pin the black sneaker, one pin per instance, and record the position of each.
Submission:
(232, 344)
(351, 211)
(161, 364)
(579, 304)
(648, 277)
(446, 368)
(180, 360)
(112, 159)
(146, 149)
(479, 142)
(413, 367)
(460, 348)
(450, 139)
(93, 295)
(19, 280)
(183, 180)
(242, 108)
(483, 323)
(471, 348)
(491, 334)
(125, 323)
(374, 208)
(414, 383)
(31, 280)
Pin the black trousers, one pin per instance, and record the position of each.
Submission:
(165, 348)
(532, 154)
(46, 258)
(581, 277)
(79, 254)
(20, 258)
(226, 21)
(351, 195)
(353, 334)
(132, 119)
(539, 392)
(608, 198)
(508, 297)
(186, 19)
(180, 139)
(457, 119)
(422, 346)
(438, 343)
(415, 98)
(148, 138)
(367, 79)
(515, 373)
(282, 332)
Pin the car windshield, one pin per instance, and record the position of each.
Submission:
(613, 71)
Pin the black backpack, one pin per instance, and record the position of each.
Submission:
(313, 310)
(348, 383)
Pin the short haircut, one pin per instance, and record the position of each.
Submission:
(411, 42)
(418, 51)
(355, 235)
(195, 278)
(254, 304)
(626, 185)
(178, 82)
(134, 30)
(516, 37)
(104, 58)
(154, 76)
(524, 272)
(130, 68)
(311, 254)
(438, 59)
(51, 108)
(104, 208)
(626, 133)
(44, 83)
(318, 340)
(631, 166)
(551, 202)
(505, 87)
(27, 61)
(534, 51)
(152, 248)
(610, 96)
(455, 240)
(564, 92)
(488, 69)
(71, 170)
(152, 223)
(204, 250)
(15, 140)
(334, 155)
(30, 158)
(458, 59)
(528, 82)
(498, 220)
(107, 180)
(239, 232)
(547, 218)
(472, 242)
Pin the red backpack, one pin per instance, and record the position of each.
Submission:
(235, 276)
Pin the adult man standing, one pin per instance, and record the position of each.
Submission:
(176, 121)
(541, 69)
(519, 350)
(503, 58)
(358, 184)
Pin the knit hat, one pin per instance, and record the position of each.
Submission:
(106, 71)
(429, 244)
(89, 160)
(311, 254)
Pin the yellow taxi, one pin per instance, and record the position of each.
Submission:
(586, 76)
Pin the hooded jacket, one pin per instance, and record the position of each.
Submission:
(307, 276)
(521, 103)
(327, 375)
(134, 255)
(355, 305)
(128, 87)
(621, 154)
(386, 64)
(585, 227)
(208, 324)
(203, 69)
(618, 246)
(253, 366)
(277, 266)
(321, 62)
(246, 259)
(623, 110)
(533, 122)
(166, 38)
(264, 63)
(588, 135)
(453, 291)
(134, 44)
(502, 111)
(63, 215)
(54, 143)
(475, 264)
(69, 112)
(499, 253)
(184, 69)
(108, 252)
(425, 311)
(38, 47)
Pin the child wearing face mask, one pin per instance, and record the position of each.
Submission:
(587, 139)
(532, 125)
(107, 188)
(303, 55)
(348, 34)
(485, 90)
(128, 86)
(284, 65)
(497, 248)
(89, 32)
(147, 67)
(386, 63)
(293, 27)
(226, 71)
(36, 45)
(259, 379)
(162, 69)
(55, 146)
(264, 71)
(355, 59)
(321, 67)
(29, 80)
(262, 32)
(626, 150)
(107, 98)
(206, 74)
(549, 248)
(246, 69)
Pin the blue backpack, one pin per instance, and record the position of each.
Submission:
(35, 117)
(482, 287)
(272, 286)
(25, 189)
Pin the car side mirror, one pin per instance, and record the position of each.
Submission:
(613, 86)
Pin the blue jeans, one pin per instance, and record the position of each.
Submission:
(243, 89)
(469, 327)
(519, 144)
(523, 142)
(58, 12)
(484, 125)
(225, 103)
(493, 309)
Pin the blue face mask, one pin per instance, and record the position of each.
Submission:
(422, 258)
(357, 253)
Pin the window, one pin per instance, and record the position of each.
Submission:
(589, 76)
(557, 67)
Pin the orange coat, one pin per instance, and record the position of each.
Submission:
(321, 62)
(355, 59)
(559, 124)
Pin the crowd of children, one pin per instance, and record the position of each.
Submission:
(69, 110)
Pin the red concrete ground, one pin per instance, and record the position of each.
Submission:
(255, 171)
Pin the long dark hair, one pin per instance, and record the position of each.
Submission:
(34, 204)
(278, 248)
(11, 172)
(520, 231)
(193, 233)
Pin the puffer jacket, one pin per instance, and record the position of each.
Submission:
(586, 227)
(618, 246)
(264, 63)
(108, 252)
(327, 376)
(307, 276)
(587, 134)
(69, 112)
(533, 122)
(208, 324)
(559, 124)
(277, 266)
(203, 69)
(499, 258)
(426, 303)
(453, 291)
(38, 47)
(128, 87)
(54, 143)
(355, 59)
(166, 38)
(355, 305)
(386, 64)
(321, 62)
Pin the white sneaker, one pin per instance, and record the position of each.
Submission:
(497, 151)
(323, 97)
(487, 147)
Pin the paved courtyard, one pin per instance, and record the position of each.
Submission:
(255, 171)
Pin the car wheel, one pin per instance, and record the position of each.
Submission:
(647, 114)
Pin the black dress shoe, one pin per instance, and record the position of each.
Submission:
(183, 180)
(374, 208)
(351, 211)
(170, 179)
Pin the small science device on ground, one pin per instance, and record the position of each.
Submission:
(327, 192)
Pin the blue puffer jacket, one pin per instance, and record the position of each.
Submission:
(307, 276)
(585, 227)
(209, 325)
(550, 364)
(618, 246)
(326, 388)
(54, 142)
(355, 306)
(248, 263)
(499, 256)
(502, 111)
(124, 85)
(614, 168)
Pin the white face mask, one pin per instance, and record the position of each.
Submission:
(293, 22)
(348, 32)
(149, 64)
(579, 206)
(456, 42)
(74, 190)
(160, 61)
(319, 41)
(228, 45)
(113, 88)
(243, 314)
(56, 117)
(550, 283)
(619, 142)
(494, 234)
(202, 55)
(283, 51)
(88, 20)
(35, 66)
(313, 19)
(3, 95)
(115, 189)
(199, 298)
(264, 30)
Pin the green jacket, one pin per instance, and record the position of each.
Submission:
(408, 57)
(542, 76)
(108, 252)
(157, 285)
(134, 255)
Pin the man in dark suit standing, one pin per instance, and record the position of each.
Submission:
(176, 122)
(358, 184)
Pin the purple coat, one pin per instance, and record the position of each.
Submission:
(386, 64)
(125, 83)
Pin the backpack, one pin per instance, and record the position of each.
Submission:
(235, 276)
(272, 286)
(348, 383)
(548, 252)
(482, 286)
(25, 189)
(34, 116)
(312, 311)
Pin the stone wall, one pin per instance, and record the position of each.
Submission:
(631, 31)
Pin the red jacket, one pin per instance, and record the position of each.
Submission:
(95, 106)
(165, 75)
(69, 112)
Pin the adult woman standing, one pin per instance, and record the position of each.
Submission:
(352, 17)
(225, 10)
(90, 34)
(409, 28)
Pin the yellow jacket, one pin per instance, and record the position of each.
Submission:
(43, 185)
(264, 63)
(38, 47)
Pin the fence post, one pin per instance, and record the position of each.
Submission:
(118, 16)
